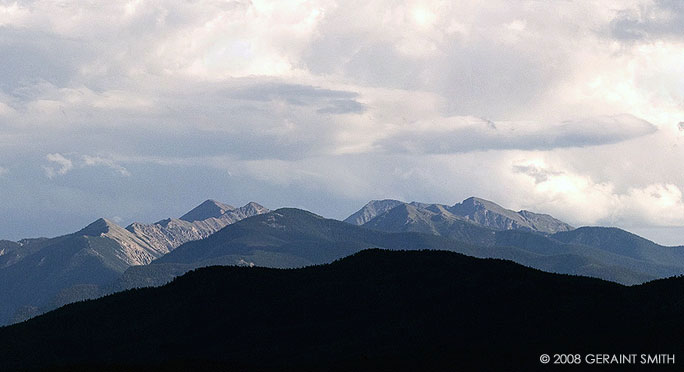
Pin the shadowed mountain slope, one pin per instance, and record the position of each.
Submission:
(375, 310)
(616, 240)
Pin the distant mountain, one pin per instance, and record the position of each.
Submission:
(74, 259)
(290, 237)
(606, 253)
(208, 209)
(475, 210)
(200, 222)
(40, 274)
(8, 252)
(375, 310)
(7, 246)
(13, 252)
(431, 219)
(372, 210)
(492, 215)
(612, 239)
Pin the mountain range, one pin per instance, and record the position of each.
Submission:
(288, 238)
(374, 310)
(40, 274)
(37, 275)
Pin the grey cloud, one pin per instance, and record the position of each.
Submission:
(539, 174)
(346, 106)
(482, 79)
(247, 118)
(329, 101)
(291, 93)
(664, 19)
(482, 136)
(30, 57)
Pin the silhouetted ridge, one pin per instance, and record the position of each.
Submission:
(378, 310)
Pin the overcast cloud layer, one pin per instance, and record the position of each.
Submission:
(140, 110)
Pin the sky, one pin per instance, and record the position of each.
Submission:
(140, 110)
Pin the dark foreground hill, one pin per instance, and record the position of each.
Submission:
(375, 310)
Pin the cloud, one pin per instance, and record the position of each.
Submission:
(432, 101)
(347, 106)
(3, 171)
(330, 101)
(91, 161)
(538, 173)
(578, 197)
(296, 94)
(464, 134)
(63, 165)
(660, 19)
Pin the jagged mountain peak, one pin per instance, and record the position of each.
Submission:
(98, 227)
(490, 214)
(254, 208)
(475, 203)
(473, 209)
(208, 209)
(371, 210)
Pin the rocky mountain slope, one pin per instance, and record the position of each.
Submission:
(475, 210)
(39, 274)
(199, 223)
(294, 238)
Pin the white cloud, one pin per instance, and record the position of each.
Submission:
(63, 165)
(92, 161)
(3, 171)
(463, 134)
(581, 199)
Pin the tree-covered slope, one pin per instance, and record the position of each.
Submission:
(374, 310)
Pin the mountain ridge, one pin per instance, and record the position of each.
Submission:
(376, 309)
(473, 209)
(291, 237)
(49, 272)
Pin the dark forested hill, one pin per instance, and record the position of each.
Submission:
(379, 310)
